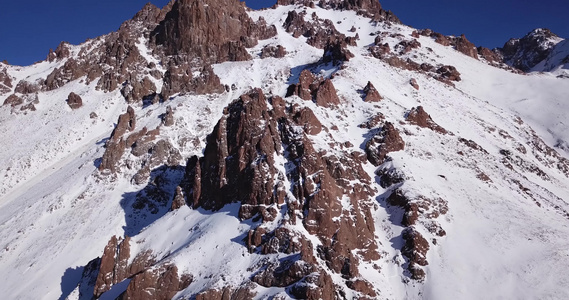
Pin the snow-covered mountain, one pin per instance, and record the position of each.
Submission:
(313, 150)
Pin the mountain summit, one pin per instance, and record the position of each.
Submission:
(312, 150)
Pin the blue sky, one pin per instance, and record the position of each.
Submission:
(28, 29)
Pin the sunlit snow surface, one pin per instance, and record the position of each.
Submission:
(57, 213)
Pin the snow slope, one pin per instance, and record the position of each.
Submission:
(57, 212)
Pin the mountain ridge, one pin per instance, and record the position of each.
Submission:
(252, 181)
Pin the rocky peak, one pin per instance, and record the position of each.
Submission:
(214, 31)
(531, 49)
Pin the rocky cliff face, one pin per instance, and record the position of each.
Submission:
(531, 49)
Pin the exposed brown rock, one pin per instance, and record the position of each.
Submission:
(441, 39)
(448, 73)
(489, 55)
(74, 101)
(373, 121)
(326, 94)
(13, 100)
(114, 265)
(305, 117)
(415, 249)
(273, 51)
(25, 87)
(187, 29)
(464, 46)
(5, 81)
(160, 283)
(310, 87)
(116, 145)
(238, 162)
(385, 141)
(406, 46)
(305, 87)
(418, 116)
(414, 83)
(62, 51)
(380, 51)
(362, 286)
(168, 117)
(136, 90)
(179, 79)
(371, 94)
(243, 292)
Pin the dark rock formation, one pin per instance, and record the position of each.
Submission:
(238, 161)
(320, 33)
(464, 46)
(74, 101)
(117, 143)
(114, 266)
(187, 30)
(385, 141)
(418, 116)
(415, 248)
(13, 100)
(160, 283)
(62, 51)
(25, 87)
(311, 87)
(239, 166)
(371, 94)
(5, 81)
(448, 73)
(135, 91)
(179, 79)
(168, 119)
(273, 51)
(489, 55)
(528, 51)
(406, 46)
(414, 84)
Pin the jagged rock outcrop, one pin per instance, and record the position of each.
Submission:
(5, 81)
(61, 52)
(448, 74)
(531, 49)
(113, 265)
(367, 8)
(116, 145)
(168, 119)
(239, 166)
(371, 94)
(418, 116)
(25, 87)
(311, 87)
(187, 30)
(385, 141)
(320, 33)
(159, 283)
(238, 162)
(415, 248)
(13, 100)
(277, 51)
(74, 101)
(463, 45)
(228, 293)
(114, 268)
(414, 84)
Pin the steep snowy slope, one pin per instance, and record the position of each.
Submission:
(450, 182)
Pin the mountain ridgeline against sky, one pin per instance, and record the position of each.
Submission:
(311, 150)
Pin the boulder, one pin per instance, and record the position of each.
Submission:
(74, 101)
